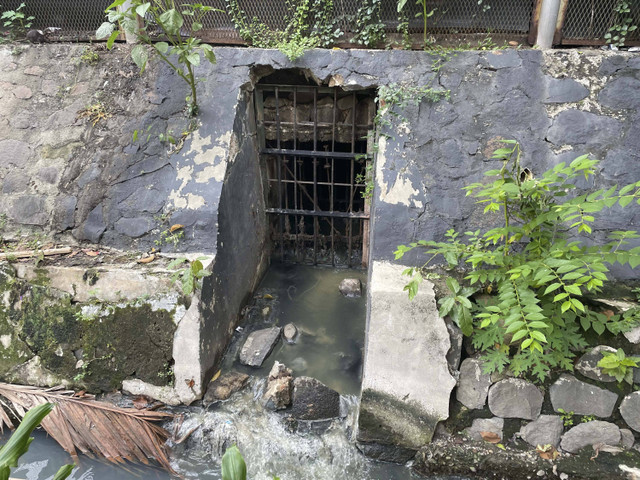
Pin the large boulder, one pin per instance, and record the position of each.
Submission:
(590, 433)
(258, 346)
(630, 410)
(545, 430)
(515, 398)
(473, 384)
(572, 395)
(313, 400)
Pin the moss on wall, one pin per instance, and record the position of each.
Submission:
(94, 346)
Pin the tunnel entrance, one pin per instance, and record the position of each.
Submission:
(315, 149)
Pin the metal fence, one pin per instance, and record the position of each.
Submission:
(586, 21)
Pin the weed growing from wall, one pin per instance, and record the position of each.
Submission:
(309, 24)
(623, 26)
(533, 265)
(175, 23)
(17, 21)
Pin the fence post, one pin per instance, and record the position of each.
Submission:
(129, 37)
(547, 23)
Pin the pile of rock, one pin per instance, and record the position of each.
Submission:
(515, 398)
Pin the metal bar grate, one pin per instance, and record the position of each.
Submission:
(314, 151)
(588, 21)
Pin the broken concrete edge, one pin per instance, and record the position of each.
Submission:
(405, 356)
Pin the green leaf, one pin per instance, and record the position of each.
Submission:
(64, 472)
(140, 56)
(538, 335)
(112, 38)
(453, 284)
(162, 47)
(142, 9)
(233, 466)
(194, 59)
(196, 26)
(447, 305)
(519, 334)
(551, 288)
(18, 443)
(105, 30)
(526, 343)
(171, 21)
(626, 200)
(115, 4)
(598, 327)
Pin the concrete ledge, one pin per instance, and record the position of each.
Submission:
(406, 383)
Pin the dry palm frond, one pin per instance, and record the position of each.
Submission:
(92, 427)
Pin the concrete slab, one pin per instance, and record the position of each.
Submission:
(406, 382)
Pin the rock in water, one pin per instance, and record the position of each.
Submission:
(312, 400)
(277, 396)
(351, 287)
(290, 333)
(258, 346)
(224, 386)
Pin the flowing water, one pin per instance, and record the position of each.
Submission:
(328, 348)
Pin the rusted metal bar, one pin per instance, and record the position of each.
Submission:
(562, 15)
(315, 208)
(309, 153)
(312, 213)
(535, 21)
(277, 118)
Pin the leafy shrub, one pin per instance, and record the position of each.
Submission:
(533, 265)
(618, 365)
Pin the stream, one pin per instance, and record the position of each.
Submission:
(328, 348)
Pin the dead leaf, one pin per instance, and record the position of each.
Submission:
(175, 227)
(490, 437)
(608, 314)
(141, 402)
(190, 383)
(92, 427)
(91, 253)
(148, 259)
(266, 296)
(73, 254)
(215, 377)
(513, 43)
(548, 452)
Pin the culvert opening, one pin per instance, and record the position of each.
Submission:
(316, 151)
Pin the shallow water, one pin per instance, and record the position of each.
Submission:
(329, 348)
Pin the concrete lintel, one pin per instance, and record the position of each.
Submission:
(406, 382)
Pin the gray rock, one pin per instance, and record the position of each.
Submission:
(627, 438)
(65, 209)
(351, 287)
(224, 386)
(636, 375)
(258, 346)
(277, 395)
(493, 425)
(577, 127)
(564, 90)
(590, 433)
(134, 227)
(587, 365)
(572, 395)
(312, 400)
(94, 225)
(15, 183)
(473, 384)
(455, 352)
(621, 93)
(290, 333)
(15, 152)
(633, 335)
(386, 453)
(545, 430)
(630, 410)
(48, 174)
(503, 59)
(515, 398)
(29, 210)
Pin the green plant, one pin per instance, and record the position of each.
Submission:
(368, 26)
(618, 33)
(190, 275)
(19, 442)
(535, 268)
(17, 21)
(309, 24)
(233, 466)
(567, 417)
(95, 113)
(401, 95)
(587, 418)
(618, 365)
(169, 18)
(424, 14)
(88, 56)
(366, 178)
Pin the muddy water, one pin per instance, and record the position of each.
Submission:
(328, 348)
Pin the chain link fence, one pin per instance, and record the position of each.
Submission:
(587, 21)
